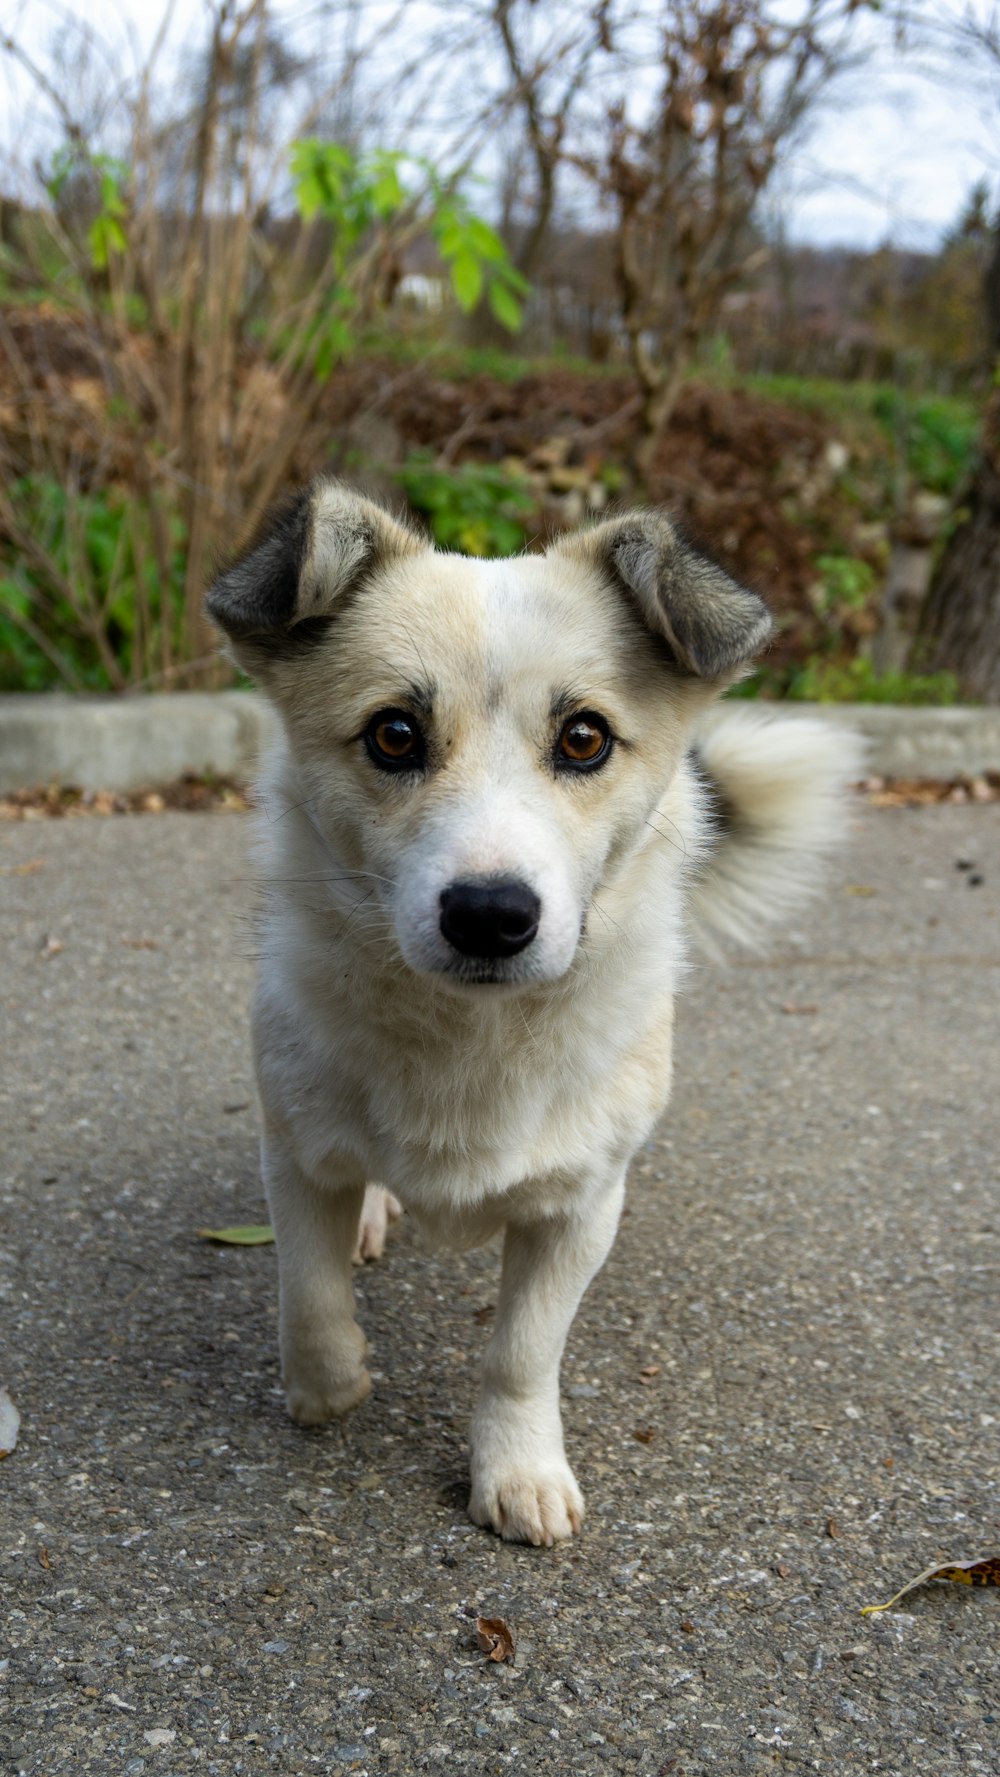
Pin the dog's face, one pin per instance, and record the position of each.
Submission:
(482, 743)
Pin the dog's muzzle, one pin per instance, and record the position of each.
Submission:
(491, 916)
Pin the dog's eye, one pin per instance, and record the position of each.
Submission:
(584, 743)
(394, 741)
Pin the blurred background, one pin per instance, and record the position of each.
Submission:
(512, 263)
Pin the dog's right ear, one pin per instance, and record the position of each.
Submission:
(282, 591)
(712, 626)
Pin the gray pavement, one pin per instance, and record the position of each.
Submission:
(811, 1257)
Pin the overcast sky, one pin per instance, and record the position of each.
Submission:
(891, 159)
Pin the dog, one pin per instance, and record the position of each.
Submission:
(489, 827)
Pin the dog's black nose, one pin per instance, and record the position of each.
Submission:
(492, 916)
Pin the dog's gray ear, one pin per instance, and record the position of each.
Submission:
(310, 552)
(712, 625)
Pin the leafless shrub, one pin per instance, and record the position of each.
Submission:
(192, 312)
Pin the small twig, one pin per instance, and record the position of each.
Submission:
(446, 455)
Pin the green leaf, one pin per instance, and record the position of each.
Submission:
(385, 188)
(104, 236)
(505, 306)
(112, 201)
(484, 241)
(322, 174)
(467, 280)
(252, 1235)
(308, 196)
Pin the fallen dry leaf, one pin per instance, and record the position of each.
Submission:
(43, 1558)
(254, 1234)
(921, 792)
(859, 888)
(962, 1573)
(495, 1638)
(644, 1434)
(10, 1421)
(141, 943)
(50, 947)
(802, 1011)
(63, 801)
(832, 1527)
(647, 1373)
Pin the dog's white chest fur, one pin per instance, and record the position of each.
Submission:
(459, 1105)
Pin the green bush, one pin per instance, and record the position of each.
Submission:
(83, 602)
(823, 680)
(856, 681)
(475, 509)
(848, 582)
(938, 436)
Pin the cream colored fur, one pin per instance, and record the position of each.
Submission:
(513, 1107)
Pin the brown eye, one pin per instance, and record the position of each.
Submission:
(396, 738)
(584, 743)
(394, 741)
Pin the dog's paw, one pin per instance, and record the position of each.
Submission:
(541, 1505)
(379, 1209)
(317, 1392)
(313, 1406)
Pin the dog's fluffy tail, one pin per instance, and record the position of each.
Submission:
(777, 785)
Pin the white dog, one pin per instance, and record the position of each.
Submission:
(486, 828)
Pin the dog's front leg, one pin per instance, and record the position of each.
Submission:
(322, 1347)
(522, 1485)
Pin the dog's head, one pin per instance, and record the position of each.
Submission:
(482, 742)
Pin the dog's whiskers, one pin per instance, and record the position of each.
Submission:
(596, 905)
(679, 842)
(274, 819)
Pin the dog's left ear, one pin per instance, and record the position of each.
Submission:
(712, 625)
(310, 555)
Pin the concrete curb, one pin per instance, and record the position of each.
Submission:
(133, 743)
(129, 743)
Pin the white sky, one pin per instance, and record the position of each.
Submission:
(892, 157)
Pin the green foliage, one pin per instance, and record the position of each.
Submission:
(106, 177)
(848, 582)
(826, 680)
(856, 681)
(477, 259)
(352, 192)
(93, 576)
(357, 194)
(937, 435)
(475, 509)
(453, 362)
